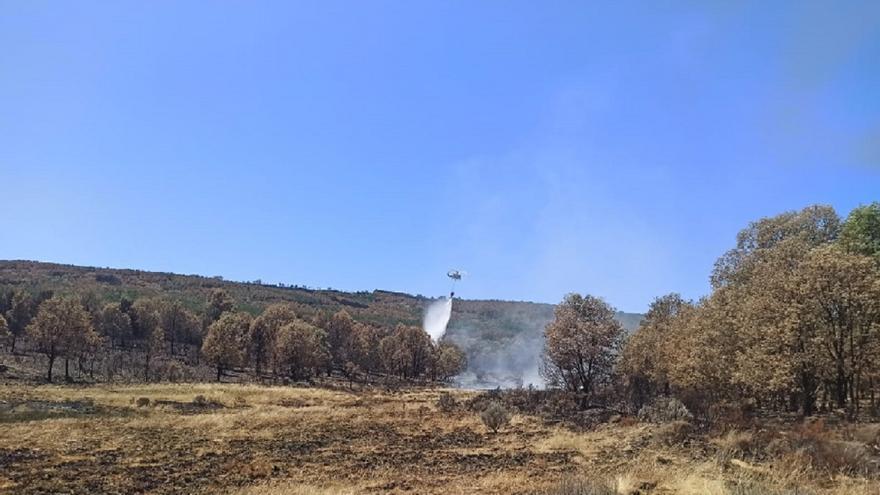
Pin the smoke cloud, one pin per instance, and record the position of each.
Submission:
(437, 317)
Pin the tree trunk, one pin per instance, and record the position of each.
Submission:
(219, 372)
(808, 391)
(66, 369)
(840, 383)
(51, 362)
(809, 404)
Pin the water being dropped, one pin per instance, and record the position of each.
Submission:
(437, 317)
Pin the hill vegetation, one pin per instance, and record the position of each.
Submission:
(502, 340)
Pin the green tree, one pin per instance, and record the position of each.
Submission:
(860, 232)
(225, 344)
(581, 345)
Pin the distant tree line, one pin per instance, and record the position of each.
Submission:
(279, 343)
(792, 324)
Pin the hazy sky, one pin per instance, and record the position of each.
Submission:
(611, 148)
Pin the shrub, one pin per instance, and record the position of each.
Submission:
(731, 414)
(868, 434)
(142, 402)
(736, 445)
(447, 402)
(495, 416)
(674, 433)
(664, 410)
(837, 456)
(814, 447)
(200, 400)
(171, 371)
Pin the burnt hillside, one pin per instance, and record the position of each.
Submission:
(502, 339)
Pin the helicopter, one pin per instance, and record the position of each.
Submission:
(455, 275)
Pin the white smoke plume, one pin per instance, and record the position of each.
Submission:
(437, 317)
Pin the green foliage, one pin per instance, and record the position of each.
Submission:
(860, 233)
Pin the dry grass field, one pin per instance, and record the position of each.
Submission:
(241, 439)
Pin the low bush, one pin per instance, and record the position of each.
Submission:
(446, 402)
(814, 447)
(673, 434)
(725, 415)
(664, 410)
(142, 401)
(737, 444)
(495, 417)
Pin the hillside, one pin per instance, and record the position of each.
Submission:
(503, 339)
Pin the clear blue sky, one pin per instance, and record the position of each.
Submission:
(611, 148)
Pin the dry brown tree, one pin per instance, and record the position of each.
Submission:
(581, 346)
(225, 344)
(300, 350)
(61, 328)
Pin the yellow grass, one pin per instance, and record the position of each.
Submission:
(284, 440)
